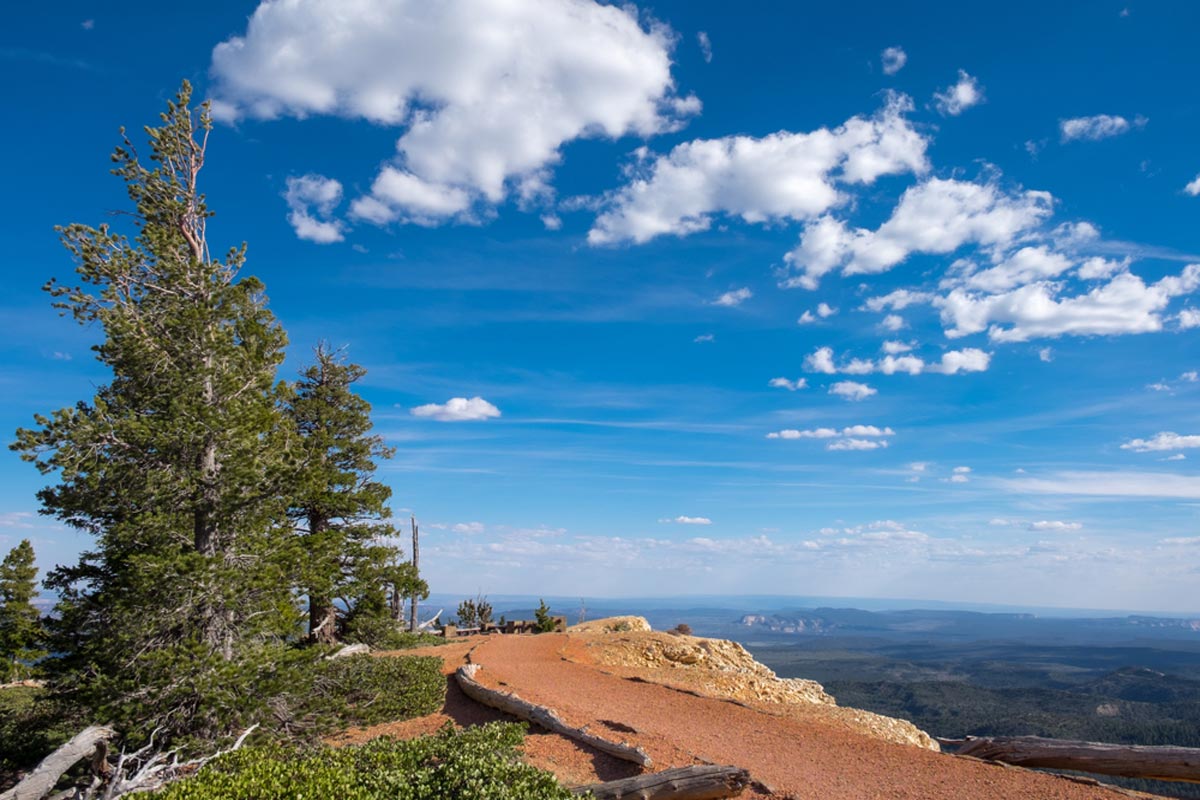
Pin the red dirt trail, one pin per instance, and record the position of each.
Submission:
(796, 758)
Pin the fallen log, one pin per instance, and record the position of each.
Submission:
(510, 703)
(685, 783)
(38, 783)
(1130, 761)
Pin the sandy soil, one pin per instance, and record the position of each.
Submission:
(795, 756)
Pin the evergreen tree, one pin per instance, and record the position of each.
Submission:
(176, 466)
(339, 509)
(20, 624)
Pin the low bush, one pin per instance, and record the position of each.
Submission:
(30, 727)
(475, 764)
(357, 690)
(403, 640)
(297, 699)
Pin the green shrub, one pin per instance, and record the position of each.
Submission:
(403, 640)
(475, 764)
(545, 623)
(31, 726)
(356, 690)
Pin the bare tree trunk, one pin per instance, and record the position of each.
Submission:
(416, 556)
(322, 620)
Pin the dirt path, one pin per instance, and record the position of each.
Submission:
(800, 758)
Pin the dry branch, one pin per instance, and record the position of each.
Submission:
(38, 783)
(1131, 761)
(707, 782)
(545, 717)
(349, 650)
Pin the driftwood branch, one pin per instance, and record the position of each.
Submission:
(685, 783)
(545, 717)
(38, 783)
(349, 650)
(431, 620)
(1131, 761)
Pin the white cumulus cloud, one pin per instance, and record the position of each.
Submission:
(1193, 188)
(955, 99)
(1124, 305)
(311, 200)
(458, 409)
(821, 360)
(485, 92)
(783, 176)
(684, 520)
(952, 362)
(852, 390)
(790, 385)
(1166, 440)
(937, 216)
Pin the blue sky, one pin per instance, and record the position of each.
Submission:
(879, 300)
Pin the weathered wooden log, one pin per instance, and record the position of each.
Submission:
(1130, 761)
(510, 703)
(685, 783)
(38, 783)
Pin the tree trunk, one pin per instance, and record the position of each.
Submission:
(39, 782)
(545, 717)
(1131, 761)
(322, 616)
(322, 620)
(685, 783)
(416, 556)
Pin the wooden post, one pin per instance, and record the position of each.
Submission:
(416, 556)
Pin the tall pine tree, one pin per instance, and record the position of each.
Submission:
(177, 466)
(340, 510)
(21, 631)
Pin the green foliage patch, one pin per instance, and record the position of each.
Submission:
(478, 763)
(404, 640)
(30, 727)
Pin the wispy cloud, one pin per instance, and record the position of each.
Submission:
(734, 298)
(1109, 484)
(893, 60)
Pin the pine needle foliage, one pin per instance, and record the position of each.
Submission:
(21, 632)
(177, 467)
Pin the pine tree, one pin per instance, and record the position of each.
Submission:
(339, 508)
(176, 466)
(20, 623)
